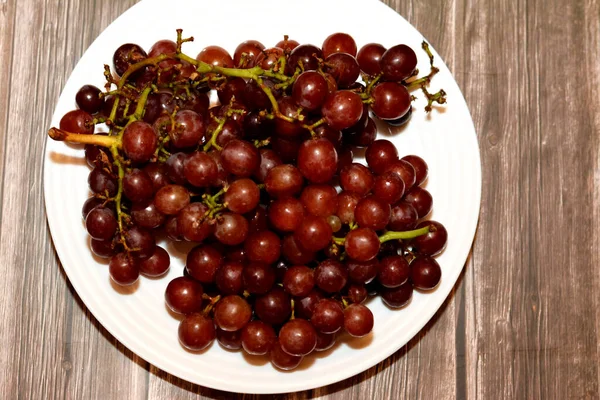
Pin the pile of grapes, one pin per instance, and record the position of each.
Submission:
(292, 235)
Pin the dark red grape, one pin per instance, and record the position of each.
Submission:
(425, 273)
(331, 276)
(313, 234)
(347, 202)
(420, 199)
(246, 53)
(398, 63)
(231, 229)
(196, 332)
(215, 55)
(184, 295)
(88, 99)
(357, 293)
(140, 241)
(388, 188)
(343, 67)
(298, 337)
(305, 306)
(325, 341)
(299, 280)
(286, 214)
(431, 243)
(283, 181)
(362, 272)
(258, 337)
(372, 213)
(139, 141)
(397, 297)
(202, 263)
(342, 109)
(242, 196)
(328, 316)
(200, 169)
(403, 217)
(358, 320)
(390, 100)
(317, 160)
(339, 43)
(368, 58)
(123, 269)
(274, 307)
(263, 246)
(306, 55)
(77, 121)
(258, 277)
(362, 244)
(192, 223)
(356, 178)
(405, 171)
(380, 154)
(393, 271)
(232, 313)
(294, 253)
(420, 166)
(320, 200)
(229, 340)
(282, 360)
(101, 223)
(157, 264)
(137, 185)
(127, 55)
(310, 90)
(229, 277)
(102, 182)
(103, 248)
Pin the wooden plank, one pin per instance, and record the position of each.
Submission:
(533, 335)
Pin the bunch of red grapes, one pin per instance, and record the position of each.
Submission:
(292, 235)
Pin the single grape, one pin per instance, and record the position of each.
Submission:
(425, 273)
(215, 55)
(258, 277)
(286, 214)
(229, 340)
(420, 199)
(431, 243)
(184, 295)
(231, 229)
(328, 316)
(102, 182)
(89, 205)
(88, 98)
(287, 44)
(347, 202)
(357, 293)
(137, 185)
(174, 168)
(380, 154)
(202, 263)
(368, 58)
(258, 337)
(362, 271)
(189, 129)
(331, 276)
(343, 67)
(339, 43)
(393, 271)
(240, 158)
(356, 178)
(298, 337)
(388, 188)
(274, 307)
(320, 200)
(313, 234)
(160, 104)
(146, 215)
(139, 141)
(363, 137)
(127, 55)
(158, 175)
(232, 313)
(77, 121)
(242, 196)
(372, 213)
(246, 53)
(282, 360)
(397, 297)
(342, 109)
(171, 199)
(263, 246)
(104, 248)
(317, 160)
(398, 63)
(358, 320)
(391, 100)
(258, 220)
(362, 244)
(269, 58)
(200, 169)
(286, 129)
(306, 55)
(157, 264)
(229, 277)
(305, 306)
(192, 223)
(325, 341)
(101, 223)
(310, 90)
(299, 280)
(196, 332)
(403, 217)
(283, 181)
(140, 241)
(123, 269)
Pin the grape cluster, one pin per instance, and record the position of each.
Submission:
(291, 234)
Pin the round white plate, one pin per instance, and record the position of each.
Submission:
(446, 140)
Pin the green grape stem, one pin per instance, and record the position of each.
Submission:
(391, 235)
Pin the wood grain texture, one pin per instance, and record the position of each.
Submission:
(523, 322)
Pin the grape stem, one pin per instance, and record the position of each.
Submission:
(391, 235)
(98, 140)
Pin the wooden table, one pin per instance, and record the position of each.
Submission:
(523, 321)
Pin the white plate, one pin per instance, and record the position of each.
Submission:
(139, 320)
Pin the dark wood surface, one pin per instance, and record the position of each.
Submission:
(523, 321)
